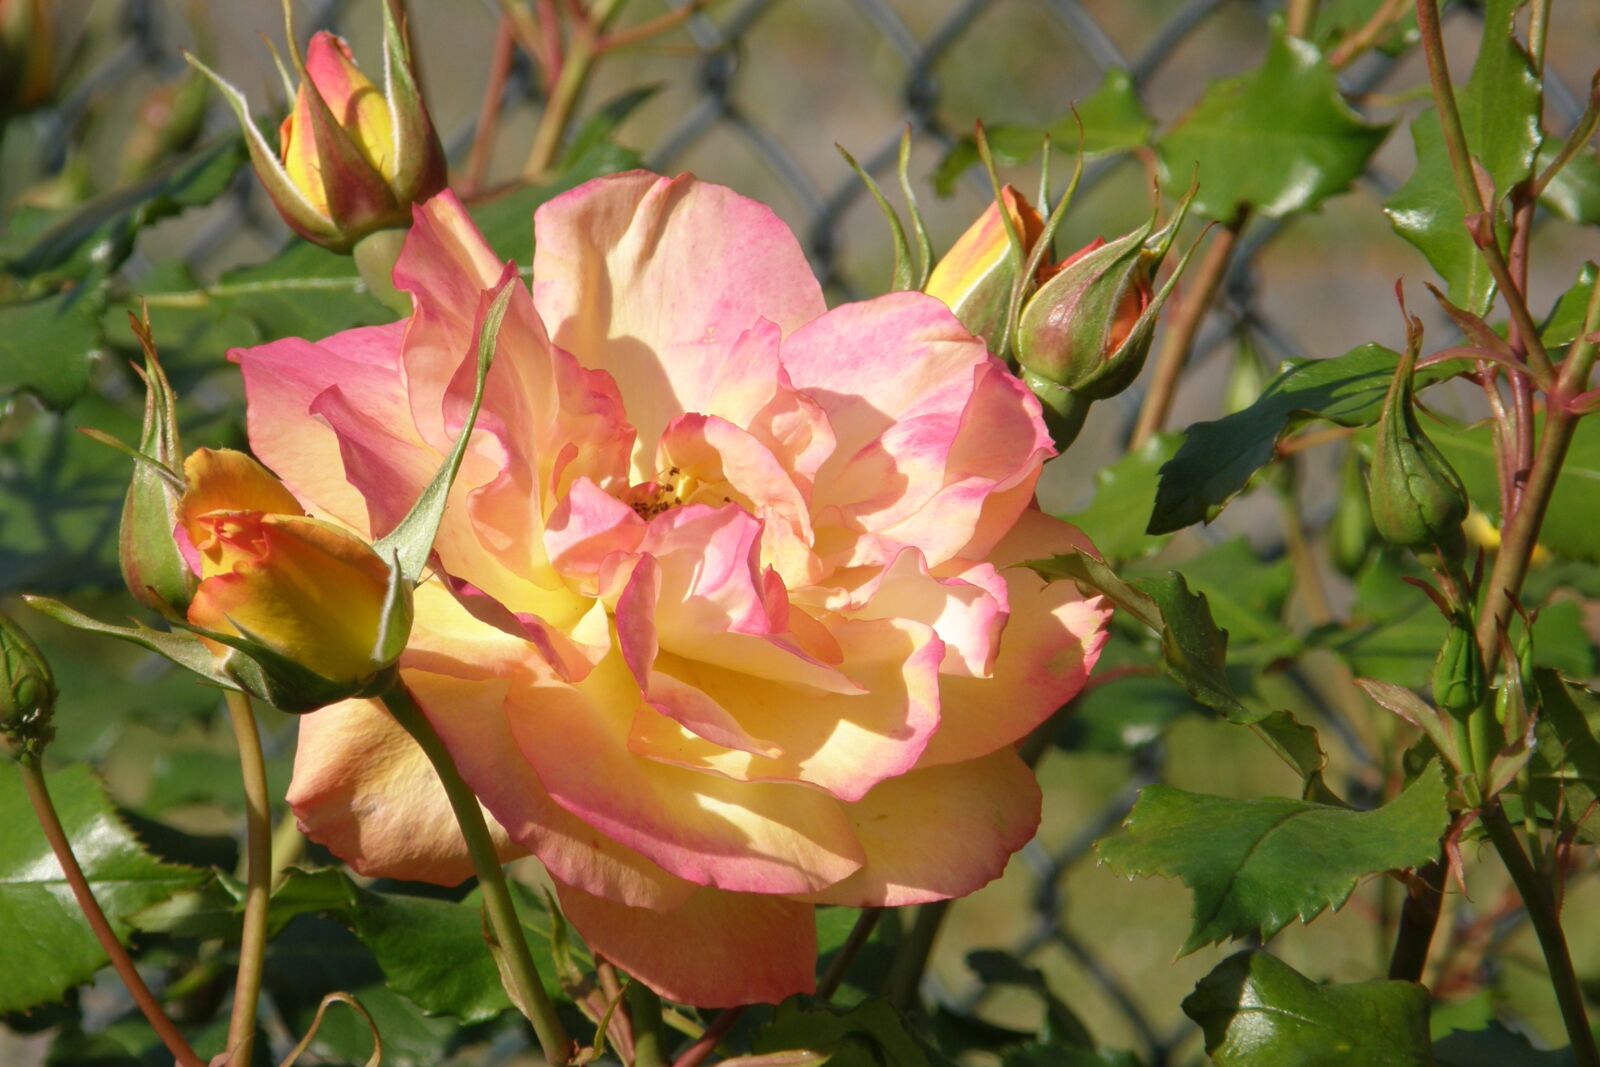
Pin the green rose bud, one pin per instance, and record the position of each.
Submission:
(152, 565)
(27, 691)
(1459, 681)
(1417, 498)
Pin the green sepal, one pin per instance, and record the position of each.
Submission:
(902, 278)
(411, 542)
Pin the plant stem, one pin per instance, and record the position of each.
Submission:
(530, 992)
(1455, 140)
(860, 934)
(45, 811)
(494, 94)
(1521, 533)
(701, 1050)
(1419, 917)
(582, 51)
(1301, 15)
(1183, 329)
(644, 1009)
(1541, 905)
(258, 879)
(905, 974)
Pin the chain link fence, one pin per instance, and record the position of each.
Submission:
(719, 74)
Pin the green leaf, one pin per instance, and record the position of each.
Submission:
(1257, 865)
(59, 950)
(1278, 140)
(870, 968)
(1217, 458)
(1246, 596)
(1113, 121)
(1193, 652)
(1574, 193)
(1062, 1027)
(95, 238)
(1565, 322)
(1499, 108)
(1123, 492)
(872, 1034)
(506, 219)
(1048, 1055)
(594, 136)
(1257, 1011)
(1127, 713)
(1565, 766)
(48, 346)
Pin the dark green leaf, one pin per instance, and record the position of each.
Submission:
(1499, 108)
(48, 346)
(1565, 766)
(1246, 594)
(1561, 643)
(507, 218)
(1257, 865)
(1278, 140)
(1257, 1011)
(1047, 1055)
(97, 237)
(1566, 318)
(872, 1034)
(597, 130)
(59, 950)
(1062, 1027)
(870, 967)
(1123, 493)
(1217, 458)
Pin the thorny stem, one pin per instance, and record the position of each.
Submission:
(860, 934)
(1183, 329)
(45, 810)
(701, 1050)
(531, 995)
(1542, 913)
(258, 879)
(1419, 917)
(1455, 140)
(494, 93)
(1368, 35)
(582, 51)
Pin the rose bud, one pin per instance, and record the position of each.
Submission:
(1459, 683)
(167, 121)
(27, 55)
(299, 611)
(351, 160)
(155, 571)
(1417, 498)
(1081, 329)
(975, 278)
(27, 691)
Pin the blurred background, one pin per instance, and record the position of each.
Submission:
(755, 94)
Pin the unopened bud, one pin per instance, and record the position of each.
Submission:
(1459, 680)
(167, 122)
(976, 277)
(27, 55)
(152, 566)
(27, 691)
(1079, 329)
(351, 160)
(1417, 498)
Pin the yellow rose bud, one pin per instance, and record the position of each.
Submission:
(975, 278)
(287, 586)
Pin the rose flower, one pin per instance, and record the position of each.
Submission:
(722, 624)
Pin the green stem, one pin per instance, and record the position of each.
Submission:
(258, 879)
(582, 51)
(45, 810)
(644, 1010)
(530, 991)
(860, 934)
(1455, 141)
(375, 256)
(905, 974)
(1419, 917)
(1541, 905)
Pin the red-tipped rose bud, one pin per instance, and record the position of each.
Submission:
(976, 276)
(351, 160)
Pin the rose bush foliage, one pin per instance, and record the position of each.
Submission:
(723, 623)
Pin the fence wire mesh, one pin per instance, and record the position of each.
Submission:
(744, 78)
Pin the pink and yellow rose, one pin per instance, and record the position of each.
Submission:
(724, 624)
